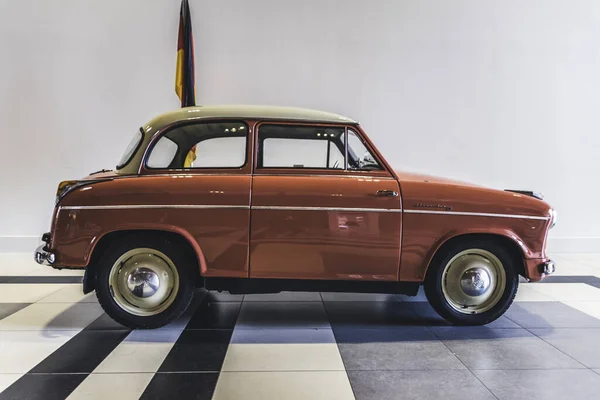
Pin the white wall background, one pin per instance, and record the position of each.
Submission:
(501, 93)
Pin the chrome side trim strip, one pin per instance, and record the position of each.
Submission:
(294, 208)
(349, 209)
(144, 206)
(186, 173)
(475, 214)
(217, 206)
(383, 178)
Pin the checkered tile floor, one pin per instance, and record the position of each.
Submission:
(56, 343)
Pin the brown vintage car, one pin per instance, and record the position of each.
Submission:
(255, 199)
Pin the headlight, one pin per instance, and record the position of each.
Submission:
(552, 218)
(62, 189)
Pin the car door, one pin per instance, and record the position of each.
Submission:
(200, 174)
(319, 210)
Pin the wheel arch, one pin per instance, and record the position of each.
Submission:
(508, 240)
(100, 245)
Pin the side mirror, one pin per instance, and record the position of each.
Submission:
(367, 161)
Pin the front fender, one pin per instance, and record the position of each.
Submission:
(526, 253)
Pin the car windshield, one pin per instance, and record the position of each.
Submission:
(131, 148)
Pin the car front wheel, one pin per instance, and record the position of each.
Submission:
(144, 282)
(472, 283)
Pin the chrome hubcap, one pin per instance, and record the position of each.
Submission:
(473, 281)
(144, 282)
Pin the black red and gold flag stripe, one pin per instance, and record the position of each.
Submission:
(185, 82)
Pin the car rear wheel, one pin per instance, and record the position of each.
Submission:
(144, 282)
(472, 283)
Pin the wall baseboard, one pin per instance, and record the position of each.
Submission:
(27, 244)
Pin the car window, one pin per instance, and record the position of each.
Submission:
(288, 146)
(359, 157)
(163, 153)
(201, 145)
(131, 149)
(222, 152)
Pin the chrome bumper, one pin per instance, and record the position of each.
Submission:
(548, 268)
(43, 256)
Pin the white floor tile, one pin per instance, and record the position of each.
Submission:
(26, 292)
(592, 258)
(70, 293)
(283, 357)
(17, 264)
(22, 351)
(8, 379)
(140, 351)
(112, 386)
(577, 264)
(589, 307)
(23, 264)
(52, 316)
(527, 293)
(567, 267)
(314, 385)
(44, 270)
(568, 291)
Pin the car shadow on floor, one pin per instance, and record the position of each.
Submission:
(387, 319)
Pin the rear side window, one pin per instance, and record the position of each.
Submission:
(201, 145)
(221, 152)
(163, 153)
(289, 146)
(131, 148)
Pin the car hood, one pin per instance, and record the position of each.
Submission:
(416, 177)
(425, 192)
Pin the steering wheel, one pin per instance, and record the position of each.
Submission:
(336, 164)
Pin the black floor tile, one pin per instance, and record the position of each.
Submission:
(424, 312)
(372, 314)
(41, 279)
(181, 386)
(211, 315)
(558, 384)
(463, 333)
(417, 385)
(503, 349)
(394, 348)
(106, 323)
(550, 315)
(280, 314)
(394, 334)
(587, 279)
(43, 387)
(198, 350)
(82, 354)
(581, 344)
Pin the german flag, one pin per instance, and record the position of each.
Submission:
(185, 82)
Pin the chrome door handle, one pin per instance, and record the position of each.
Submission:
(388, 193)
